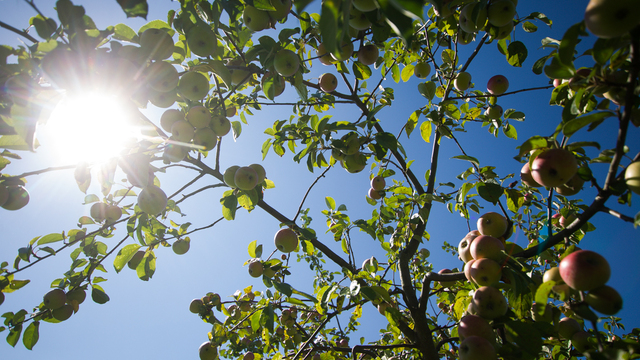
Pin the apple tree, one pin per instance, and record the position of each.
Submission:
(212, 61)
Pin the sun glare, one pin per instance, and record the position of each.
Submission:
(88, 128)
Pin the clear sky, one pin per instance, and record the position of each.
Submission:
(151, 319)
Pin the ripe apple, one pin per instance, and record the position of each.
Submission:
(462, 81)
(501, 12)
(364, 5)
(354, 163)
(525, 176)
(286, 62)
(492, 224)
(468, 22)
(604, 299)
(199, 116)
(201, 40)
(368, 54)
(632, 177)
(255, 19)
(324, 56)
(207, 351)
(489, 303)
(229, 175)
(152, 200)
(262, 173)
(98, 211)
(256, 269)
(17, 198)
(495, 111)
(497, 85)
(422, 70)
(220, 125)
(156, 43)
(554, 167)
(485, 246)
(374, 194)
(378, 183)
(180, 246)
(286, 240)
(611, 18)
(474, 325)
(464, 248)
(245, 178)
(182, 131)
(169, 117)
(272, 85)
(476, 348)
(567, 327)
(78, 295)
(206, 138)
(63, 312)
(328, 82)
(358, 20)
(193, 86)
(485, 272)
(584, 270)
(54, 299)
(343, 52)
(283, 8)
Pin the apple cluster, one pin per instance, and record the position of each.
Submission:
(258, 20)
(101, 212)
(347, 151)
(244, 177)
(62, 305)
(13, 196)
(376, 191)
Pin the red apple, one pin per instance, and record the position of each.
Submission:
(498, 85)
(485, 272)
(464, 248)
(492, 224)
(474, 325)
(525, 176)
(554, 167)
(489, 303)
(567, 327)
(476, 348)
(489, 247)
(584, 270)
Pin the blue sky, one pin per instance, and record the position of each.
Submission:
(151, 319)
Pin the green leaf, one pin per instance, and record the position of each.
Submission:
(489, 191)
(533, 142)
(568, 44)
(252, 249)
(467, 158)
(362, 71)
(134, 8)
(331, 204)
(571, 126)
(31, 335)
(526, 336)
(603, 50)
(124, 255)
(283, 288)
(426, 130)
(98, 295)
(557, 70)
(44, 26)
(542, 294)
(14, 335)
(330, 14)
(125, 33)
(50, 238)
(516, 53)
(427, 89)
(510, 131)
(229, 204)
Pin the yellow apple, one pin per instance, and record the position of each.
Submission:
(632, 177)
(286, 240)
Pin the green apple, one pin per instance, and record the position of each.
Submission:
(584, 270)
(283, 8)
(286, 240)
(465, 38)
(580, 341)
(462, 81)
(152, 200)
(354, 163)
(352, 143)
(485, 246)
(358, 20)
(255, 19)
(196, 306)
(525, 176)
(611, 18)
(98, 211)
(489, 303)
(501, 12)
(54, 299)
(474, 325)
(485, 272)
(169, 117)
(470, 23)
(256, 269)
(207, 351)
(180, 246)
(113, 213)
(199, 116)
(567, 327)
(17, 197)
(239, 74)
(571, 187)
(324, 56)
(422, 70)
(503, 31)
(262, 173)
(492, 224)
(272, 85)
(135, 259)
(162, 99)
(245, 178)
(337, 154)
(497, 85)
(174, 152)
(4, 194)
(464, 247)
(495, 111)
(202, 41)
(343, 52)
(632, 177)
(364, 5)
(162, 76)
(63, 312)
(156, 43)
(220, 125)
(206, 138)
(328, 82)
(78, 295)
(286, 62)
(378, 183)
(229, 175)
(554, 167)
(604, 299)
(476, 348)
(193, 86)
(368, 54)
(182, 131)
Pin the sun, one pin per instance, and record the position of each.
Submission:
(92, 128)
